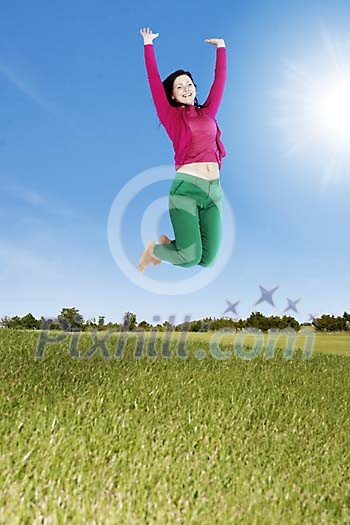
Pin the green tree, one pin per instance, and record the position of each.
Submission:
(144, 326)
(5, 321)
(70, 320)
(101, 322)
(129, 321)
(15, 322)
(29, 322)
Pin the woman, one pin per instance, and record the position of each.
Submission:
(195, 195)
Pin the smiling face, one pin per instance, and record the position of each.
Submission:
(184, 90)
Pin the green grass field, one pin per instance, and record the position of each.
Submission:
(172, 440)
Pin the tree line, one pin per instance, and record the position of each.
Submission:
(70, 320)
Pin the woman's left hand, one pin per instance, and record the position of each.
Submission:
(220, 42)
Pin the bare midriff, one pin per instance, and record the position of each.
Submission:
(205, 170)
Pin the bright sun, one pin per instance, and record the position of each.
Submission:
(313, 109)
(332, 107)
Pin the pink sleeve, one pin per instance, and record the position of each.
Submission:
(217, 89)
(158, 94)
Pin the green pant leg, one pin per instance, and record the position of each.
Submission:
(210, 223)
(210, 219)
(187, 249)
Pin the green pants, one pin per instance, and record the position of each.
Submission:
(195, 213)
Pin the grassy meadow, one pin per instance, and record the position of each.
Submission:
(165, 439)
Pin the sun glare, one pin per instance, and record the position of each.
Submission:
(313, 109)
(333, 107)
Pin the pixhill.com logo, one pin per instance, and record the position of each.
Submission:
(160, 343)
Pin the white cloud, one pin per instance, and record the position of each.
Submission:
(24, 261)
(39, 199)
(23, 86)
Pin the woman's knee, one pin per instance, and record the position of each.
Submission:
(190, 259)
(207, 261)
(192, 262)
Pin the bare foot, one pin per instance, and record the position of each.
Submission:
(163, 239)
(147, 256)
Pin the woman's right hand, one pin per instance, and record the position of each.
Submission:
(148, 36)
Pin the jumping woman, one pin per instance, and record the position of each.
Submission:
(195, 194)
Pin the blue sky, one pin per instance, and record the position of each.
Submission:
(77, 123)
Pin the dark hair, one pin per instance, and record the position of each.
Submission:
(168, 85)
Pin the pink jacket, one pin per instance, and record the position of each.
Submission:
(174, 118)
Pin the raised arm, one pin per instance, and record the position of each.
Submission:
(157, 90)
(217, 88)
